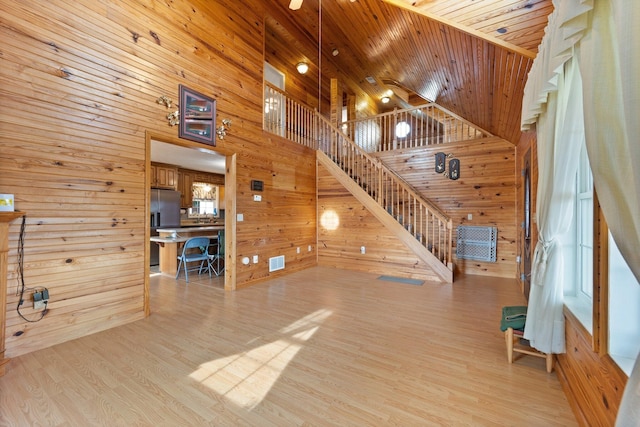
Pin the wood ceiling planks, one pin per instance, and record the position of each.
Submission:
(443, 50)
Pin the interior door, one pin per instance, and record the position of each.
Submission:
(527, 255)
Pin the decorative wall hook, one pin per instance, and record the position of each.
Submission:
(222, 129)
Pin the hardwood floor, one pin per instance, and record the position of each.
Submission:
(317, 347)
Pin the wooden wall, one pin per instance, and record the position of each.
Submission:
(593, 382)
(486, 190)
(345, 225)
(79, 83)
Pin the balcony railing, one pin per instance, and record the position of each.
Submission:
(421, 126)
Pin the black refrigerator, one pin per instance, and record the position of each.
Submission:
(165, 213)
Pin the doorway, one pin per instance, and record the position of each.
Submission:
(190, 155)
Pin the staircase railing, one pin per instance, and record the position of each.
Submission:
(299, 123)
(431, 227)
(420, 126)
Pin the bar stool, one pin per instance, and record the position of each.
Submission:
(512, 324)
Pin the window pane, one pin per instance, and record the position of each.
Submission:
(579, 292)
(624, 310)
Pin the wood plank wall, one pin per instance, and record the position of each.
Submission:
(486, 190)
(79, 83)
(345, 225)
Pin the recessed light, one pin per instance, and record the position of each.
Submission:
(501, 30)
(385, 99)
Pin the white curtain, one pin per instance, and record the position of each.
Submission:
(608, 51)
(610, 62)
(560, 134)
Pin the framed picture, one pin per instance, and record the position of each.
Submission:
(197, 116)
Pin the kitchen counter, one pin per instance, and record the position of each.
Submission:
(171, 246)
(191, 230)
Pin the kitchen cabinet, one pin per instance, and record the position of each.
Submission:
(185, 181)
(221, 204)
(164, 176)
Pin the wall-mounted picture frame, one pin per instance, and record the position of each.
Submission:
(197, 116)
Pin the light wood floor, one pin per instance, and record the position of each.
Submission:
(320, 347)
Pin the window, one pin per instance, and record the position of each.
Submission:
(579, 297)
(584, 221)
(624, 310)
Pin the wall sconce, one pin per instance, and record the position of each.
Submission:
(302, 67)
(164, 100)
(441, 165)
(385, 99)
(173, 118)
(454, 169)
(440, 162)
(222, 129)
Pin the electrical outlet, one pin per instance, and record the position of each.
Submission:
(40, 299)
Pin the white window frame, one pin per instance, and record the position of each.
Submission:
(579, 298)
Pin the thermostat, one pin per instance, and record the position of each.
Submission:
(256, 185)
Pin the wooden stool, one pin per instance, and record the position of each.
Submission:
(512, 324)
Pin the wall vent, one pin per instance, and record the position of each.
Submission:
(477, 243)
(276, 263)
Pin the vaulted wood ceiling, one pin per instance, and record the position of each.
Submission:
(469, 56)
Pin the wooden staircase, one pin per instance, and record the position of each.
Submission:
(415, 221)
(422, 227)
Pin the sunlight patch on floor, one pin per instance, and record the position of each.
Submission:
(246, 378)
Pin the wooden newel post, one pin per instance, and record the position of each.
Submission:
(5, 219)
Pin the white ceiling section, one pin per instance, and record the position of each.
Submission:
(200, 159)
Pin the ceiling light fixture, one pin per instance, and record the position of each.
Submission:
(302, 67)
(385, 99)
(335, 52)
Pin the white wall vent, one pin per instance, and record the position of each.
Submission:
(276, 263)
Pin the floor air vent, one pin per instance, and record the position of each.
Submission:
(276, 263)
(477, 243)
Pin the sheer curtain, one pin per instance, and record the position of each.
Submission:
(607, 49)
(609, 61)
(560, 133)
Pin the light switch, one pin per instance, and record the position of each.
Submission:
(255, 259)
(240, 217)
(257, 198)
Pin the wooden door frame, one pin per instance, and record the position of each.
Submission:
(230, 211)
